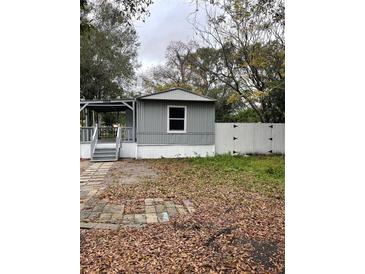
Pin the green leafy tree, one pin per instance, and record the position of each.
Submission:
(249, 38)
(127, 9)
(247, 115)
(107, 55)
(85, 24)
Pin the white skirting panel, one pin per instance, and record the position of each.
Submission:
(173, 151)
(131, 150)
(85, 151)
(128, 150)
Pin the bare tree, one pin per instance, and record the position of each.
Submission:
(176, 71)
(177, 55)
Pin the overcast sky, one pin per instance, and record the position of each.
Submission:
(167, 22)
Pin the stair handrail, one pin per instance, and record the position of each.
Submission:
(117, 143)
(94, 140)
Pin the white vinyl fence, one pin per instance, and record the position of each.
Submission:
(247, 138)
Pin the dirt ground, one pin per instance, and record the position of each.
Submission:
(130, 172)
(84, 165)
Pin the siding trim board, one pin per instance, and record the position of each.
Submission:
(176, 94)
(180, 133)
(169, 145)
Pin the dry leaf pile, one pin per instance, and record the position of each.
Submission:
(232, 231)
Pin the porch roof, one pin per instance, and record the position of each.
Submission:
(107, 105)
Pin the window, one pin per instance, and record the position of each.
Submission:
(176, 119)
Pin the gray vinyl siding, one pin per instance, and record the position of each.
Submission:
(152, 123)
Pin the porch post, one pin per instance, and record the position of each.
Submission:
(93, 118)
(82, 116)
(134, 123)
(86, 117)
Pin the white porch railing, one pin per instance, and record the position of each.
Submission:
(117, 143)
(127, 134)
(86, 134)
(107, 132)
(94, 140)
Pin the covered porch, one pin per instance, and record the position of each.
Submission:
(106, 128)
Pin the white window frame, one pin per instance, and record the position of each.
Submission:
(168, 119)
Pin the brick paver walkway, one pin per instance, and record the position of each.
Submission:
(92, 180)
(102, 214)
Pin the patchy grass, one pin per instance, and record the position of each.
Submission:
(238, 225)
(263, 174)
(195, 178)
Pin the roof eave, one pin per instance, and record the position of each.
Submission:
(143, 97)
